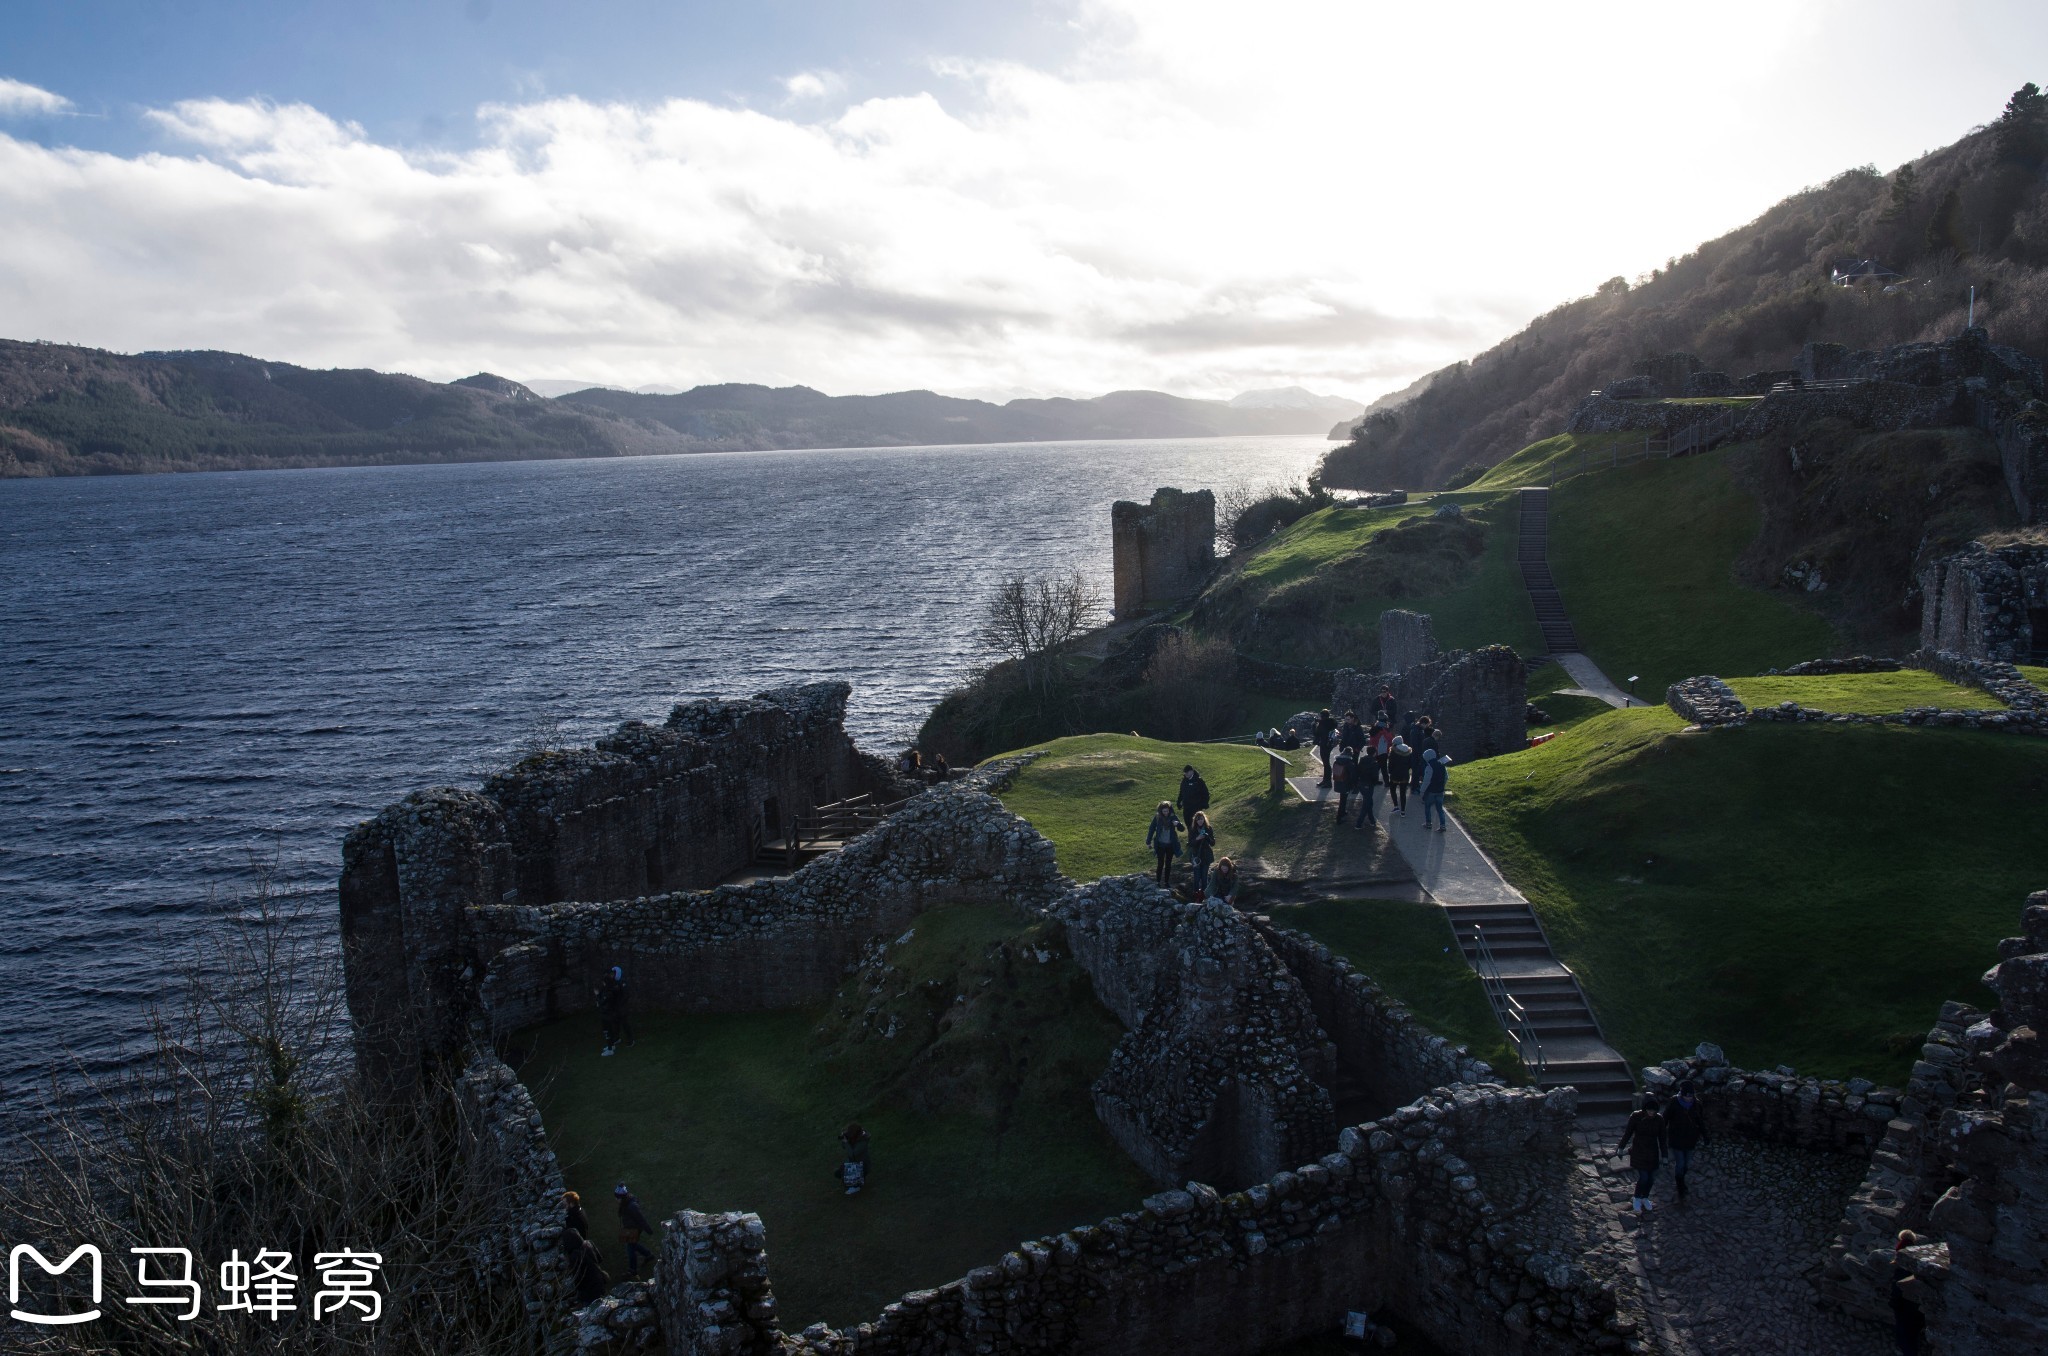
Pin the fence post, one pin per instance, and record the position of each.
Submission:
(1276, 768)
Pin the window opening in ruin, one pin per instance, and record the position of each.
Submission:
(771, 818)
(2037, 650)
(654, 866)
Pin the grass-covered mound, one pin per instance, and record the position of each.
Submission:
(1313, 593)
(1871, 694)
(1797, 894)
(967, 1058)
(1408, 951)
(1646, 558)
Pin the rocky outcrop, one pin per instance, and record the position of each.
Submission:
(1161, 551)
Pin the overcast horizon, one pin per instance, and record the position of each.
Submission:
(1060, 198)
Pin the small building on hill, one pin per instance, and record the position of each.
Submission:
(1864, 273)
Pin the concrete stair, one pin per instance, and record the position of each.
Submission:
(1532, 553)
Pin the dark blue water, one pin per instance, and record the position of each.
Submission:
(199, 671)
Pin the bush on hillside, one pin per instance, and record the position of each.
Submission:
(1190, 688)
(1247, 516)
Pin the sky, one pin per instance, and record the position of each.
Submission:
(1033, 197)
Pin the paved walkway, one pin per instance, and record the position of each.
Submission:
(1591, 682)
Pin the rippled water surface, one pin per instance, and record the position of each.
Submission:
(198, 668)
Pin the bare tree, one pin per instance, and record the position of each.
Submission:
(1031, 619)
(242, 1129)
(1192, 685)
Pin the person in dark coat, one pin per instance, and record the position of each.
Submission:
(1194, 793)
(611, 1010)
(573, 1216)
(1436, 779)
(1366, 782)
(853, 1164)
(1902, 1293)
(1326, 736)
(589, 1274)
(1400, 767)
(1351, 735)
(1685, 1129)
(633, 1227)
(1379, 741)
(1384, 708)
(1201, 849)
(1163, 837)
(1643, 1141)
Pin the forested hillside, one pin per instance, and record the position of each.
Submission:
(1971, 214)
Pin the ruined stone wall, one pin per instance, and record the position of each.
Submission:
(1407, 640)
(1982, 601)
(1777, 1106)
(1396, 1212)
(2022, 438)
(1162, 551)
(1705, 700)
(678, 803)
(1479, 698)
(1378, 1041)
(1223, 1074)
(771, 943)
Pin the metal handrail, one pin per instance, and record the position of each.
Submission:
(1507, 1009)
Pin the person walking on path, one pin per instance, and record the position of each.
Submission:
(1223, 881)
(1366, 782)
(611, 1010)
(1351, 735)
(1344, 769)
(633, 1226)
(853, 1165)
(1201, 849)
(1384, 707)
(1378, 742)
(1909, 1324)
(1194, 793)
(1685, 1129)
(1400, 766)
(1436, 779)
(1643, 1141)
(1326, 735)
(1163, 837)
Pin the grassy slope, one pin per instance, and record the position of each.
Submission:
(1550, 460)
(1796, 894)
(1863, 693)
(983, 1139)
(1490, 607)
(1644, 557)
(1407, 950)
(2035, 674)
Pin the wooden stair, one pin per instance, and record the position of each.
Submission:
(1532, 553)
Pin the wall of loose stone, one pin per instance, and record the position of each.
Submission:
(1479, 698)
(1162, 551)
(1407, 640)
(1378, 1041)
(1705, 700)
(773, 943)
(1777, 1106)
(1397, 1211)
(1982, 602)
(1223, 1074)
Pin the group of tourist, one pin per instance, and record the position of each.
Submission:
(586, 1267)
(1660, 1130)
(1401, 751)
(1213, 877)
(931, 771)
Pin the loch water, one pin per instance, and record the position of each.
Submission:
(203, 672)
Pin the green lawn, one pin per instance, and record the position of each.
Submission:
(1306, 545)
(983, 1134)
(1564, 711)
(1551, 460)
(1796, 894)
(1093, 795)
(1407, 950)
(1872, 694)
(2034, 674)
(1645, 558)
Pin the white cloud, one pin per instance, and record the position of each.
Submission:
(1331, 195)
(810, 86)
(20, 99)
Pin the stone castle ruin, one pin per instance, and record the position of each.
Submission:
(1457, 1201)
(1967, 380)
(1161, 551)
(1478, 698)
(1989, 601)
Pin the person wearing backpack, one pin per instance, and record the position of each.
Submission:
(1163, 837)
(1326, 735)
(1201, 849)
(1436, 778)
(1344, 773)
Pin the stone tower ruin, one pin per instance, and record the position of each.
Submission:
(1163, 550)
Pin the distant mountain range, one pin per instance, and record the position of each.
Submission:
(82, 411)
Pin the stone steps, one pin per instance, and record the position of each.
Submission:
(1532, 552)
